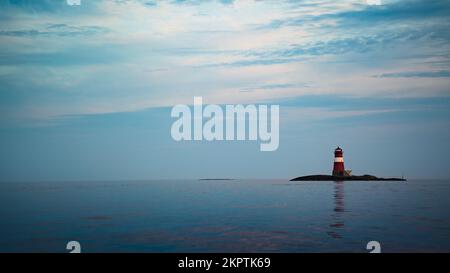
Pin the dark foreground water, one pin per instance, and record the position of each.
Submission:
(225, 216)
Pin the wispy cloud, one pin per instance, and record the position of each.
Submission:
(275, 86)
(356, 14)
(416, 74)
(60, 30)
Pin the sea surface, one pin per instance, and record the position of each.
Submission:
(225, 216)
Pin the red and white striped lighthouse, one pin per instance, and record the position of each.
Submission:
(338, 167)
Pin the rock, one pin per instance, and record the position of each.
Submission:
(324, 177)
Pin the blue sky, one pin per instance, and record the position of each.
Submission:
(86, 91)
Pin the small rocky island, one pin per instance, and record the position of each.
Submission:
(324, 177)
(341, 174)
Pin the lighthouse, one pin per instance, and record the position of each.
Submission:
(338, 167)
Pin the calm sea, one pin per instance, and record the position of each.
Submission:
(225, 216)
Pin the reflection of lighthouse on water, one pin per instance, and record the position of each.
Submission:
(337, 216)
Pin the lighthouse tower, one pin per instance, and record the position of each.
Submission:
(338, 167)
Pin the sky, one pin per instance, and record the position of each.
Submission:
(86, 91)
